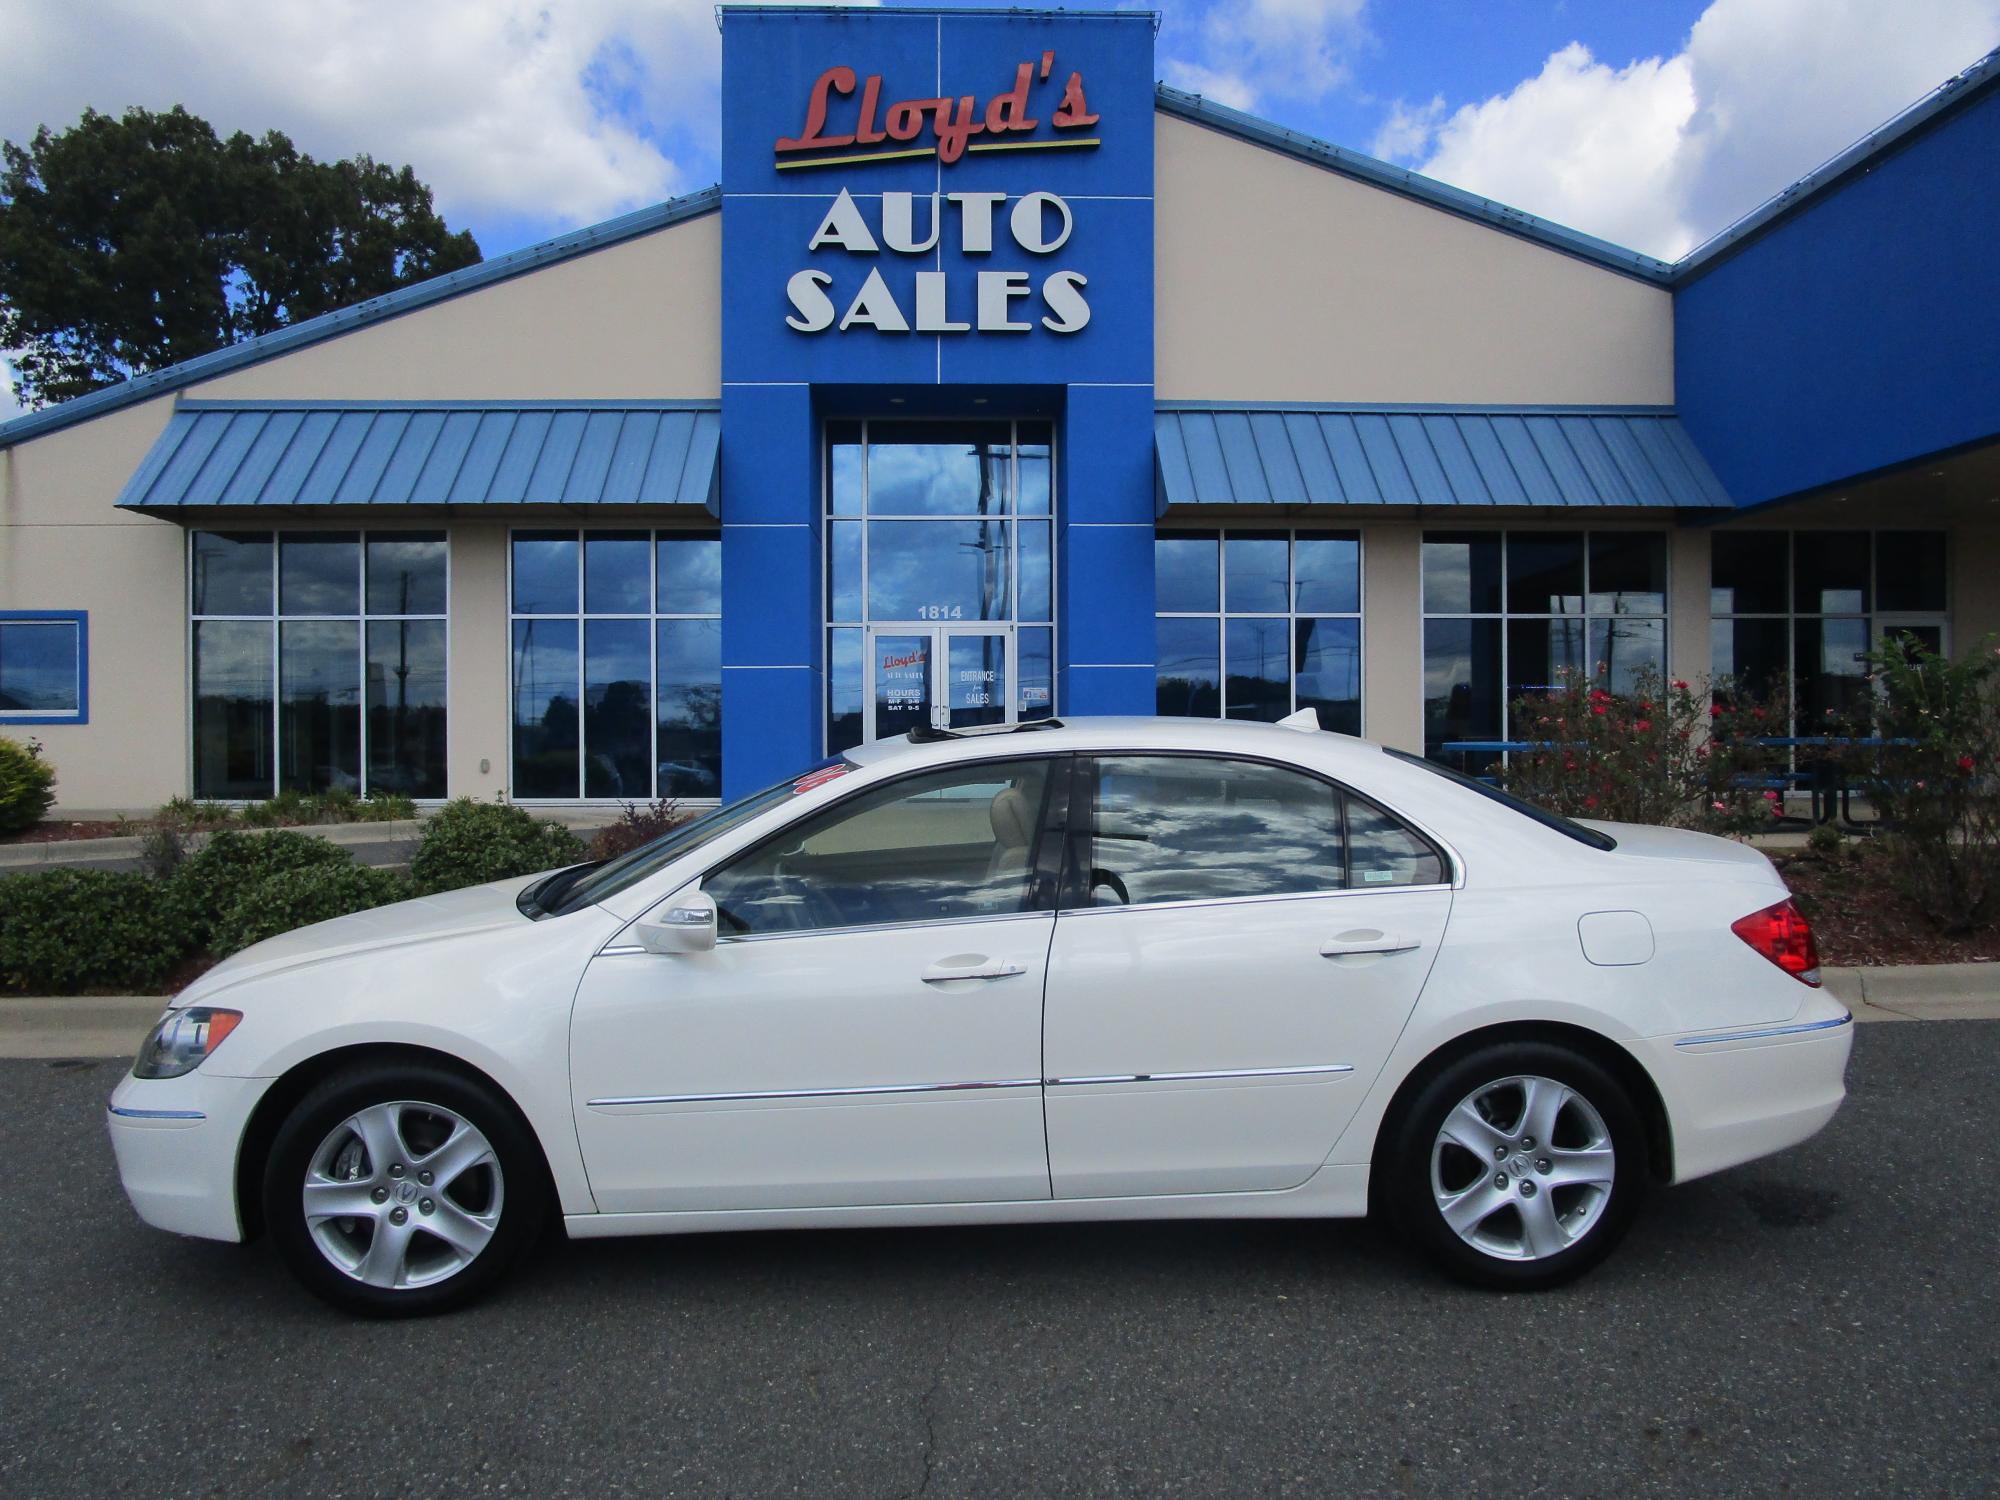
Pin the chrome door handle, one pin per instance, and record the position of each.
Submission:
(1374, 942)
(981, 969)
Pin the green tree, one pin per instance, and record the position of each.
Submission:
(134, 243)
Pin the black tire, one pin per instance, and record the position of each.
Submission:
(516, 1199)
(1404, 1188)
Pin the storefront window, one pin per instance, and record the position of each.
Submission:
(319, 663)
(1793, 614)
(1258, 624)
(1510, 615)
(617, 664)
(940, 575)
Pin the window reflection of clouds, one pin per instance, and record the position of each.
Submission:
(937, 565)
(1182, 829)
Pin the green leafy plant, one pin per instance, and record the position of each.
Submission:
(637, 825)
(1664, 752)
(27, 785)
(1933, 778)
(67, 931)
(470, 843)
(211, 881)
(289, 899)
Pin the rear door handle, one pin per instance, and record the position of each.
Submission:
(979, 968)
(1355, 944)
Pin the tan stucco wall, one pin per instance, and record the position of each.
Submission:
(64, 546)
(641, 319)
(1392, 634)
(1283, 281)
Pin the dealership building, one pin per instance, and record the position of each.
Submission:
(996, 381)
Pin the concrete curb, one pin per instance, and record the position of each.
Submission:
(50, 1026)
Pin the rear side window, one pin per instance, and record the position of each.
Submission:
(1154, 828)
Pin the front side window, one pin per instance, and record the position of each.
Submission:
(1199, 828)
(617, 664)
(1518, 614)
(951, 844)
(318, 661)
(43, 659)
(1258, 624)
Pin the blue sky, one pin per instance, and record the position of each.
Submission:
(1652, 125)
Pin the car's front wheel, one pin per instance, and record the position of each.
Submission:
(1518, 1166)
(393, 1190)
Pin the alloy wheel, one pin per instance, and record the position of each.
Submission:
(403, 1194)
(1522, 1169)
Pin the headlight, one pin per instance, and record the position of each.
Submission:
(183, 1040)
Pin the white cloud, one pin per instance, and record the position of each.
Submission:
(1663, 152)
(506, 107)
(1251, 50)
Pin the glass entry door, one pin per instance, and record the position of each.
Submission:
(946, 677)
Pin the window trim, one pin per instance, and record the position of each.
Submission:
(1051, 834)
(80, 618)
(1291, 614)
(1873, 617)
(1504, 616)
(1083, 785)
(581, 617)
(277, 620)
(865, 627)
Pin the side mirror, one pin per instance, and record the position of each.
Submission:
(682, 924)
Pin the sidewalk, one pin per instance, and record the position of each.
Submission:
(112, 1026)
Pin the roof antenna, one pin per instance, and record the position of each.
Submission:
(1305, 720)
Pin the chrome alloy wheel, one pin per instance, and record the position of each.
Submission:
(1523, 1168)
(403, 1194)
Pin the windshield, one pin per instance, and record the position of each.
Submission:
(1541, 815)
(633, 866)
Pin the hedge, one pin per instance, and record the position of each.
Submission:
(470, 843)
(27, 785)
(289, 899)
(66, 931)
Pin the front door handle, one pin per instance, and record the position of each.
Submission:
(946, 970)
(1354, 944)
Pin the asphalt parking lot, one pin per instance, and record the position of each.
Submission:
(1825, 1322)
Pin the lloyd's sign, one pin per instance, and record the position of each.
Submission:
(928, 226)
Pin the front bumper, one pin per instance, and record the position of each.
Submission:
(1734, 1094)
(176, 1141)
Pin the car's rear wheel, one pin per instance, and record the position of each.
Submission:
(393, 1190)
(1518, 1166)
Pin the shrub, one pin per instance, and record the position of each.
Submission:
(287, 899)
(1658, 753)
(212, 880)
(637, 825)
(1934, 780)
(66, 931)
(470, 843)
(27, 785)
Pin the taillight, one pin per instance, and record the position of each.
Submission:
(1782, 935)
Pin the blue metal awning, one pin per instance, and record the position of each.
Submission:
(1214, 455)
(393, 454)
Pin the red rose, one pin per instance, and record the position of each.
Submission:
(1965, 763)
(1643, 725)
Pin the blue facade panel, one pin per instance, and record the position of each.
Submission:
(1860, 331)
(998, 302)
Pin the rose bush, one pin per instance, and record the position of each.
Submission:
(1660, 752)
(1933, 778)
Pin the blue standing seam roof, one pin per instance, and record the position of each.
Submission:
(1438, 456)
(289, 454)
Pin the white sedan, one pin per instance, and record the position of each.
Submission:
(1108, 969)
